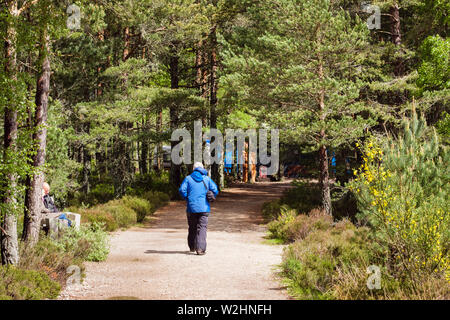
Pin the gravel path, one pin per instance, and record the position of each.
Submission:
(153, 262)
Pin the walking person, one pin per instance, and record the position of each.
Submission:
(194, 190)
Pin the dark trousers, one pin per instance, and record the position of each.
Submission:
(198, 224)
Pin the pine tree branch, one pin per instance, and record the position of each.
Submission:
(4, 231)
(27, 5)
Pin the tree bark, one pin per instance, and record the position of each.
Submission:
(8, 234)
(159, 146)
(126, 50)
(323, 158)
(143, 159)
(396, 37)
(324, 180)
(175, 170)
(201, 61)
(213, 98)
(395, 25)
(33, 203)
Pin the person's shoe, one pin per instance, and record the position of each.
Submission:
(191, 250)
(200, 252)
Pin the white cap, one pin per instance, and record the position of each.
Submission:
(198, 165)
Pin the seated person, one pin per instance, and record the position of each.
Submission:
(49, 204)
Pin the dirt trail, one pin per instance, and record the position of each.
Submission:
(154, 263)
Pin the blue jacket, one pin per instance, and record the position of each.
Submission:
(194, 192)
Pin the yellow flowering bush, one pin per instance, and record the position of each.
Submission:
(402, 188)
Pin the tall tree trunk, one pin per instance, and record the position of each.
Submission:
(395, 25)
(8, 232)
(201, 77)
(143, 164)
(86, 163)
(324, 180)
(175, 170)
(33, 203)
(159, 146)
(396, 37)
(99, 92)
(213, 97)
(126, 50)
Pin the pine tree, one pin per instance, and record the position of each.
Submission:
(302, 62)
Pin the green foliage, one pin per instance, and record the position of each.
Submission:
(434, 70)
(289, 226)
(18, 284)
(271, 209)
(101, 193)
(443, 128)
(122, 214)
(97, 215)
(294, 53)
(279, 227)
(310, 265)
(141, 206)
(61, 181)
(156, 198)
(330, 261)
(93, 234)
(403, 188)
(50, 256)
(153, 181)
(304, 197)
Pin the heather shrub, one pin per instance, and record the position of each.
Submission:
(304, 196)
(309, 265)
(101, 193)
(303, 224)
(156, 198)
(142, 207)
(19, 284)
(122, 214)
(289, 226)
(279, 227)
(49, 256)
(97, 215)
(271, 209)
(350, 283)
(93, 234)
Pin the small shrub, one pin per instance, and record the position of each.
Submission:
(93, 234)
(123, 215)
(18, 284)
(289, 226)
(101, 193)
(310, 264)
(271, 209)
(304, 197)
(142, 207)
(49, 256)
(279, 228)
(96, 215)
(156, 198)
(303, 225)
(152, 181)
